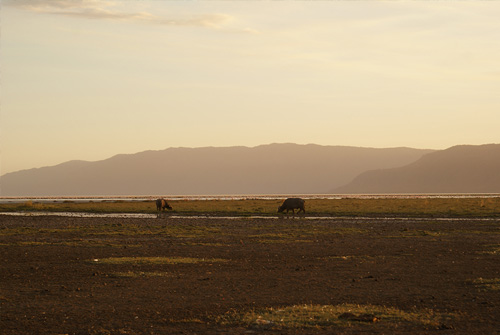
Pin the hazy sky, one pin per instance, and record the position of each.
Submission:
(89, 79)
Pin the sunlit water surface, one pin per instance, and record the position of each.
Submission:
(217, 217)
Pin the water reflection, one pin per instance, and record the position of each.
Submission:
(215, 217)
(150, 216)
(84, 215)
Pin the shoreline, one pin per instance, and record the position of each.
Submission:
(139, 198)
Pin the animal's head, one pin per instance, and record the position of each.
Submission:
(281, 209)
(168, 206)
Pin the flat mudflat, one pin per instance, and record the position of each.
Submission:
(175, 275)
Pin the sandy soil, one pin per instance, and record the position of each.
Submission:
(54, 279)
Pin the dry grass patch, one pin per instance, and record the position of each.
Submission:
(76, 243)
(282, 241)
(493, 250)
(204, 244)
(156, 260)
(354, 257)
(305, 233)
(305, 316)
(140, 274)
(422, 233)
(486, 284)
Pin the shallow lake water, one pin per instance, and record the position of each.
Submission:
(235, 217)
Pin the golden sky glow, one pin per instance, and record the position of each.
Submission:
(92, 78)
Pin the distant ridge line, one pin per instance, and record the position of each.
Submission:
(459, 169)
(265, 169)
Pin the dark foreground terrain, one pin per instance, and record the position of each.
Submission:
(62, 275)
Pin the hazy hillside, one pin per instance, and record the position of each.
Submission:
(267, 169)
(460, 169)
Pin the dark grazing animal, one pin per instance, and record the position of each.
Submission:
(161, 204)
(292, 204)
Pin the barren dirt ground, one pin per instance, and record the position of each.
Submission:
(84, 276)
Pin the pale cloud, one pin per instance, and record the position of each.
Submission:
(108, 10)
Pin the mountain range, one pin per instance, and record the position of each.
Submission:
(268, 169)
(459, 169)
(265, 169)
